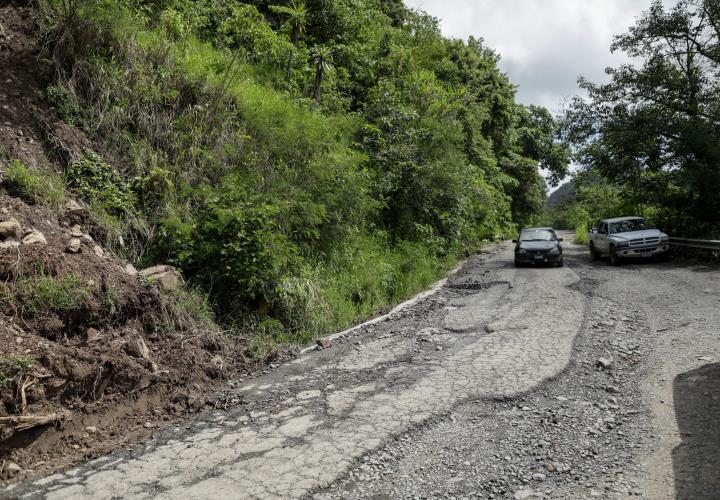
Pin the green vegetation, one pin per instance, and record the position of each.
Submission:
(187, 310)
(43, 187)
(582, 236)
(13, 366)
(35, 295)
(305, 164)
(651, 134)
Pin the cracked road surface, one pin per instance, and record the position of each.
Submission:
(446, 370)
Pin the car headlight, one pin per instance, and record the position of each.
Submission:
(622, 244)
(664, 237)
(522, 250)
(555, 251)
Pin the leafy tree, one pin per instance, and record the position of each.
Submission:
(323, 60)
(296, 18)
(654, 129)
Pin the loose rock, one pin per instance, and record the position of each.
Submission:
(73, 246)
(92, 334)
(324, 342)
(10, 229)
(72, 207)
(130, 270)
(9, 244)
(603, 363)
(137, 348)
(166, 276)
(34, 237)
(12, 466)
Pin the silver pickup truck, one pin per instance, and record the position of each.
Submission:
(626, 237)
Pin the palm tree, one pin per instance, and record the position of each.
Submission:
(296, 14)
(322, 58)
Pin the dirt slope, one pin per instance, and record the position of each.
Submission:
(97, 355)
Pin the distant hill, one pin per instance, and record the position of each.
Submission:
(562, 195)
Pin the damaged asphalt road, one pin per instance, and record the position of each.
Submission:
(507, 382)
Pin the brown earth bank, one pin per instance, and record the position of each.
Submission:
(93, 355)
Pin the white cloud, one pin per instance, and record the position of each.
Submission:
(544, 44)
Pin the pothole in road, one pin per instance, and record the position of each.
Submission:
(473, 312)
(482, 285)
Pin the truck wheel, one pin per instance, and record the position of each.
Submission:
(594, 254)
(614, 259)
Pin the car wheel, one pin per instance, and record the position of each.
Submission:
(614, 259)
(517, 263)
(594, 254)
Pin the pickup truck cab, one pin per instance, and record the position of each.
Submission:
(626, 237)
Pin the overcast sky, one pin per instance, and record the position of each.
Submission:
(544, 44)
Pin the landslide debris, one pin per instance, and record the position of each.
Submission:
(93, 354)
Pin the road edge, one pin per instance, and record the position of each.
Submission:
(407, 303)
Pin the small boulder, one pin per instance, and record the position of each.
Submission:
(92, 335)
(98, 250)
(324, 342)
(170, 280)
(10, 229)
(130, 270)
(603, 363)
(73, 246)
(166, 276)
(34, 237)
(12, 467)
(76, 231)
(91, 429)
(72, 207)
(137, 348)
(155, 270)
(4, 245)
(87, 238)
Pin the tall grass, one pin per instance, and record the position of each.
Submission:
(581, 234)
(361, 279)
(46, 188)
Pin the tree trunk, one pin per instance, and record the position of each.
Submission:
(319, 74)
(289, 65)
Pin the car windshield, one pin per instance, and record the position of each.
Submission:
(537, 235)
(629, 225)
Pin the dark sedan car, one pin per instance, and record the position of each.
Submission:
(538, 245)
